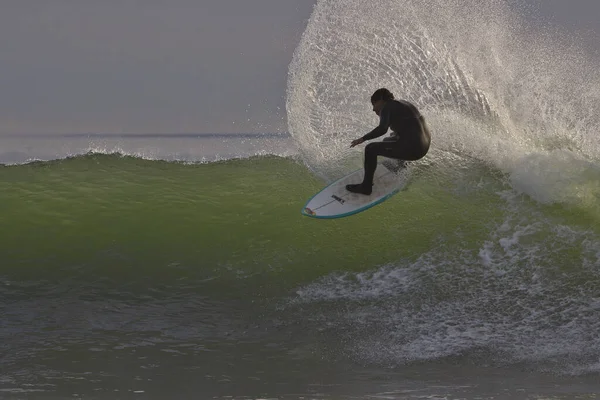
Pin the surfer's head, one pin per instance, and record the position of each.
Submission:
(379, 98)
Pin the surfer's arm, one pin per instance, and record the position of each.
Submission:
(384, 124)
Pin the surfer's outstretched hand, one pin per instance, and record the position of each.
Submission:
(356, 142)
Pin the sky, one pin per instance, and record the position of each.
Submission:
(158, 66)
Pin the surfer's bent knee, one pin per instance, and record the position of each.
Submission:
(371, 147)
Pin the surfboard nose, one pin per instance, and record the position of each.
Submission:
(309, 211)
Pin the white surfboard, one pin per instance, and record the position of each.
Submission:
(334, 201)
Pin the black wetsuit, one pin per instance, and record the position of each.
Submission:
(410, 140)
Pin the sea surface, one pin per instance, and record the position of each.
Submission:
(126, 277)
(178, 266)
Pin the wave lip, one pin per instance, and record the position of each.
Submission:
(168, 147)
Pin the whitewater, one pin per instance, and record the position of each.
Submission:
(180, 267)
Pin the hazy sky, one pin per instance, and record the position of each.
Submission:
(163, 66)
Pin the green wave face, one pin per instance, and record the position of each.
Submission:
(232, 219)
(457, 262)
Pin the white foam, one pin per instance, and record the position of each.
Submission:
(557, 176)
(522, 99)
(190, 150)
(387, 281)
(527, 293)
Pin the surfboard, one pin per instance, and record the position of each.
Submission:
(334, 201)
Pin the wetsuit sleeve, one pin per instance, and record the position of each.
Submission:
(384, 124)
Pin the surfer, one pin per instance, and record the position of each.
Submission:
(409, 140)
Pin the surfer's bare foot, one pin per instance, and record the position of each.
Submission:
(359, 188)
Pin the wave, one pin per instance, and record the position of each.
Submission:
(20, 149)
(509, 270)
(455, 264)
(491, 253)
(522, 99)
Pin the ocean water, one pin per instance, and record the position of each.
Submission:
(179, 267)
(126, 277)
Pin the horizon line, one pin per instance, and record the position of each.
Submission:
(146, 135)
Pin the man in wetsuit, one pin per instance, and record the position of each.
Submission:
(409, 140)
